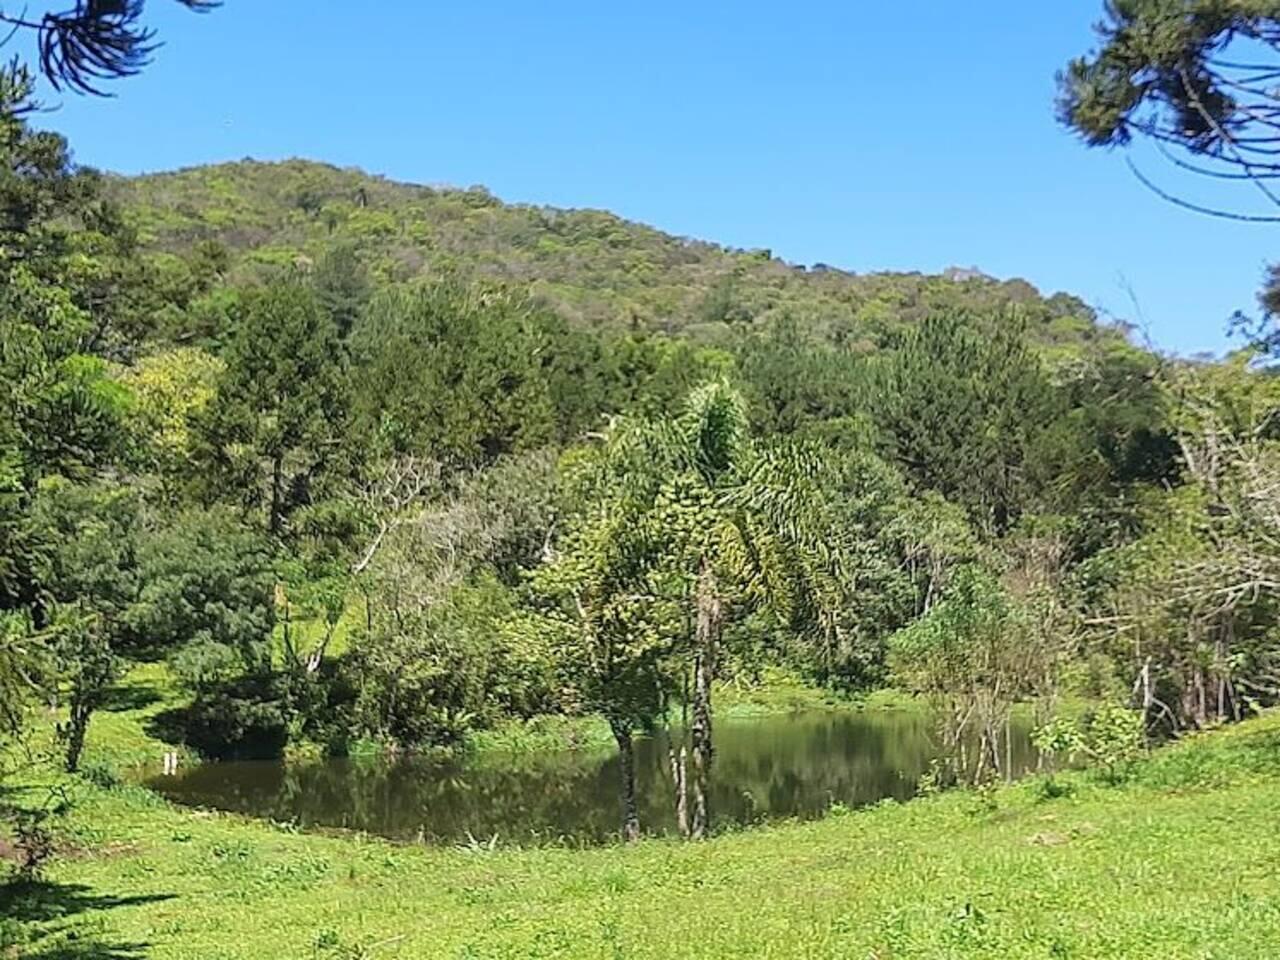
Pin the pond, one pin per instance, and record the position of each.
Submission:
(793, 765)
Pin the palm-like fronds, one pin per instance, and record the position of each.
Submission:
(93, 41)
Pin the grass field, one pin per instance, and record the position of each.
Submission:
(1182, 861)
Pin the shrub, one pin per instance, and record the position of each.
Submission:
(1111, 738)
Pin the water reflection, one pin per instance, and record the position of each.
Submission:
(787, 766)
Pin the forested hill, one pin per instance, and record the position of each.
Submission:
(591, 266)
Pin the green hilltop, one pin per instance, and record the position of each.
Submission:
(591, 266)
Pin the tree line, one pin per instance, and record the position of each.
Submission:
(348, 505)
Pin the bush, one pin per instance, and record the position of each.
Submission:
(1115, 738)
(33, 844)
(247, 718)
(102, 774)
(1111, 738)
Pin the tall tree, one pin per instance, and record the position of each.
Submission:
(276, 419)
(61, 412)
(615, 624)
(1196, 79)
(88, 577)
(966, 413)
(741, 529)
(342, 283)
(453, 372)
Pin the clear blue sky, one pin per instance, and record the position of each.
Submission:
(869, 136)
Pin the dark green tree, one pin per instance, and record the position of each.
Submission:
(206, 595)
(792, 383)
(342, 284)
(452, 371)
(965, 413)
(88, 575)
(278, 415)
(61, 411)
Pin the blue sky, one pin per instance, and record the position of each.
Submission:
(868, 136)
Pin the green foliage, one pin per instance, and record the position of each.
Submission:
(429, 675)
(967, 414)
(589, 267)
(1157, 73)
(342, 286)
(1111, 737)
(970, 654)
(1195, 78)
(405, 464)
(88, 572)
(170, 392)
(610, 611)
(280, 402)
(453, 372)
(207, 597)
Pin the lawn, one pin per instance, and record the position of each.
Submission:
(1182, 861)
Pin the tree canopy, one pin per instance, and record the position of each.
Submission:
(1193, 77)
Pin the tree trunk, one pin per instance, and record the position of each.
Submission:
(627, 778)
(277, 493)
(1219, 661)
(706, 635)
(316, 658)
(77, 729)
(679, 774)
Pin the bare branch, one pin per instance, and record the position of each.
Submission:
(1196, 208)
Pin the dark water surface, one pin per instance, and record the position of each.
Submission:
(795, 765)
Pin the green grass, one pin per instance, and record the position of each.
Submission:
(118, 734)
(1181, 862)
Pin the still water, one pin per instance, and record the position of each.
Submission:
(795, 765)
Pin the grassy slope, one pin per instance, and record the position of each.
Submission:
(1183, 862)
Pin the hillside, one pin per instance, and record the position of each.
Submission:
(590, 265)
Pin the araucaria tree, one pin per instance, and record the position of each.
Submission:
(275, 420)
(1195, 79)
(92, 41)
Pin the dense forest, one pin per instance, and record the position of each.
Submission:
(369, 463)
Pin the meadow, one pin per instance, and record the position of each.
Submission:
(1075, 867)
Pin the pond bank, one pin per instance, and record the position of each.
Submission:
(1097, 872)
(768, 766)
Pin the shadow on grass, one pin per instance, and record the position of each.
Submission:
(168, 726)
(42, 921)
(133, 696)
(37, 901)
(87, 949)
(216, 737)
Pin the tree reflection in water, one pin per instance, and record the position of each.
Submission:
(786, 766)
